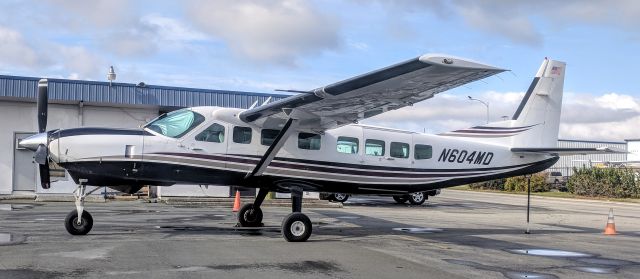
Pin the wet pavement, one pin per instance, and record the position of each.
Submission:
(454, 235)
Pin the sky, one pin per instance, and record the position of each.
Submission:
(289, 44)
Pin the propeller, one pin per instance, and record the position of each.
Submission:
(42, 153)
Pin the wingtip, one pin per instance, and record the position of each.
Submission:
(454, 61)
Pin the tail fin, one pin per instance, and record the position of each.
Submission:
(536, 122)
(540, 108)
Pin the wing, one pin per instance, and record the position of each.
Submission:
(361, 97)
(570, 151)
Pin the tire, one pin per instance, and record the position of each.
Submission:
(400, 199)
(86, 223)
(417, 198)
(331, 197)
(296, 227)
(248, 216)
(340, 197)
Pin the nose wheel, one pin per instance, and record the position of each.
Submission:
(80, 221)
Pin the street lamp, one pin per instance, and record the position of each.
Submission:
(486, 104)
(111, 76)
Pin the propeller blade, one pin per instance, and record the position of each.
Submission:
(42, 154)
(43, 99)
(45, 180)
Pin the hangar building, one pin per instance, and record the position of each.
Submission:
(77, 103)
(566, 163)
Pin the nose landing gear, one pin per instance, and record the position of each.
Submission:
(296, 227)
(79, 221)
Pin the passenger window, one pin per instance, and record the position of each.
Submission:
(215, 133)
(348, 145)
(422, 151)
(399, 150)
(242, 135)
(268, 136)
(374, 147)
(309, 141)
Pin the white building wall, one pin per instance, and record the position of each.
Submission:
(633, 147)
(21, 117)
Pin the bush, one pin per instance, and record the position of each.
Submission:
(496, 184)
(519, 183)
(604, 182)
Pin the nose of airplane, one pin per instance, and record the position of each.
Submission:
(34, 141)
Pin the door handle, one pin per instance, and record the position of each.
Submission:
(196, 148)
(390, 159)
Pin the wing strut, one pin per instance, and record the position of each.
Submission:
(268, 156)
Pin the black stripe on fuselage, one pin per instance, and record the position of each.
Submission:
(99, 131)
(332, 166)
(164, 174)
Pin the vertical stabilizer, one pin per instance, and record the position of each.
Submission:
(540, 107)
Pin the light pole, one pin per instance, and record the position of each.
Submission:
(486, 104)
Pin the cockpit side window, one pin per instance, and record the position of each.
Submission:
(176, 123)
(214, 133)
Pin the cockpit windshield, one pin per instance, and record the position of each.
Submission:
(176, 124)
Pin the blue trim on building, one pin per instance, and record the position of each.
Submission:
(64, 90)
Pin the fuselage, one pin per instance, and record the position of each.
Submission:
(217, 148)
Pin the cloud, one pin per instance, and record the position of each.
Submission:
(609, 116)
(16, 51)
(88, 14)
(521, 21)
(150, 34)
(268, 32)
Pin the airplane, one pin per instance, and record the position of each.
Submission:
(311, 141)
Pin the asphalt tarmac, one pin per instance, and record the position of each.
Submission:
(455, 235)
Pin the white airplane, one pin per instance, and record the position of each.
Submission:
(311, 141)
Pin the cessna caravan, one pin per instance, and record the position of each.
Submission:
(312, 141)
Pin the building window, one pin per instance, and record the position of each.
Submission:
(422, 151)
(214, 133)
(399, 150)
(374, 147)
(348, 145)
(268, 136)
(176, 123)
(309, 141)
(242, 135)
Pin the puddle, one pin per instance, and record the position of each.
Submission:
(529, 275)
(219, 215)
(10, 239)
(596, 270)
(604, 261)
(417, 230)
(549, 253)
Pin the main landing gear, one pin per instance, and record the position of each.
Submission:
(79, 221)
(296, 227)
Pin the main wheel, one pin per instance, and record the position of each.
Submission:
(340, 197)
(417, 198)
(296, 227)
(400, 199)
(78, 228)
(250, 216)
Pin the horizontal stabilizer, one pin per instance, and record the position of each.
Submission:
(569, 151)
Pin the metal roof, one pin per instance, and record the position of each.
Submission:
(64, 90)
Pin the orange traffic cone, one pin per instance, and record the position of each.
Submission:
(610, 229)
(236, 202)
